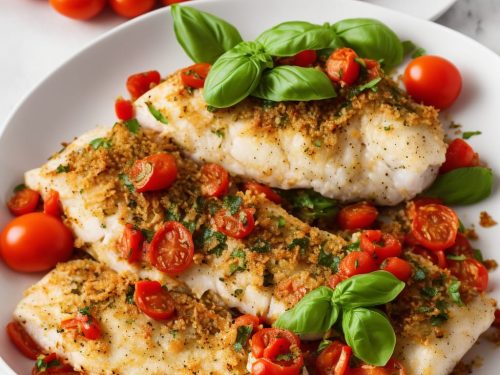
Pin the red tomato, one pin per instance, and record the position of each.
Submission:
(262, 189)
(496, 322)
(52, 205)
(154, 172)
(373, 69)
(78, 9)
(304, 59)
(35, 242)
(154, 300)
(419, 202)
(23, 202)
(334, 359)
(194, 75)
(170, 2)
(459, 155)
(398, 267)
(130, 245)
(124, 109)
(53, 365)
(436, 257)
(263, 338)
(264, 366)
(247, 320)
(336, 279)
(138, 84)
(86, 324)
(20, 338)
(433, 80)
(342, 67)
(238, 225)
(471, 272)
(214, 180)
(172, 249)
(435, 226)
(357, 216)
(356, 263)
(461, 246)
(380, 245)
(392, 367)
(131, 8)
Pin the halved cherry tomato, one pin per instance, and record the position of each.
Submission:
(35, 242)
(51, 365)
(78, 9)
(419, 202)
(172, 249)
(380, 245)
(342, 67)
(23, 341)
(461, 246)
(131, 8)
(138, 84)
(471, 272)
(124, 109)
(459, 154)
(86, 324)
(154, 300)
(247, 320)
(435, 226)
(130, 245)
(214, 180)
(436, 257)
(356, 263)
(357, 216)
(336, 279)
(23, 202)
(170, 2)
(264, 366)
(305, 58)
(52, 205)
(262, 189)
(496, 322)
(154, 172)
(398, 267)
(334, 359)
(194, 75)
(392, 367)
(372, 68)
(239, 225)
(433, 80)
(261, 340)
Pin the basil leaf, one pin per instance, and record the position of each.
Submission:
(370, 335)
(315, 313)
(370, 289)
(100, 142)
(294, 83)
(462, 186)
(290, 38)
(203, 36)
(371, 39)
(235, 75)
(309, 205)
(156, 113)
(132, 125)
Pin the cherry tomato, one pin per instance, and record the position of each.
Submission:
(435, 226)
(86, 324)
(356, 263)
(23, 202)
(78, 9)
(264, 366)
(334, 359)
(459, 154)
(35, 242)
(392, 367)
(214, 180)
(419, 202)
(23, 341)
(154, 300)
(138, 84)
(357, 216)
(461, 246)
(471, 272)
(130, 245)
(52, 205)
(170, 2)
(154, 172)
(263, 338)
(305, 58)
(51, 365)
(247, 320)
(436, 257)
(342, 67)
(373, 69)
(398, 267)
(496, 322)
(194, 75)
(433, 80)
(262, 189)
(380, 245)
(124, 109)
(239, 225)
(131, 8)
(172, 249)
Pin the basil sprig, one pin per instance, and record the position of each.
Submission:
(367, 331)
(462, 186)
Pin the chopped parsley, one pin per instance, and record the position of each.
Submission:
(208, 235)
(354, 246)
(261, 246)
(242, 336)
(62, 168)
(372, 85)
(301, 243)
(156, 113)
(100, 142)
(148, 234)
(129, 297)
(457, 258)
(454, 292)
(267, 104)
(478, 255)
(190, 225)
(309, 205)
(318, 143)
(237, 292)
(232, 203)
(219, 133)
(19, 188)
(461, 226)
(85, 310)
(328, 260)
(281, 222)
(241, 265)
(125, 180)
(284, 357)
(467, 135)
(132, 203)
(42, 366)
(429, 292)
(132, 125)
(211, 108)
(419, 274)
(172, 213)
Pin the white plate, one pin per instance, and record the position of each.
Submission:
(425, 9)
(80, 95)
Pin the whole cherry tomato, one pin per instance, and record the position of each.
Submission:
(131, 8)
(78, 9)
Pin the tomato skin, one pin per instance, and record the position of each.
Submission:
(52, 205)
(20, 338)
(357, 216)
(131, 244)
(263, 337)
(194, 75)
(87, 325)
(459, 154)
(154, 172)
(124, 109)
(131, 8)
(341, 66)
(35, 242)
(433, 81)
(356, 263)
(247, 320)
(435, 226)
(263, 366)
(78, 9)
(471, 272)
(214, 180)
(239, 225)
(23, 202)
(262, 189)
(140, 83)
(170, 2)
(398, 267)
(172, 248)
(153, 300)
(373, 69)
(304, 59)
(369, 242)
(334, 359)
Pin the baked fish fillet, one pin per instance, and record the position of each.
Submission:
(197, 341)
(378, 146)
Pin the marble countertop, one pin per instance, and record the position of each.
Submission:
(35, 40)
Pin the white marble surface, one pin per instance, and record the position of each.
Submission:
(34, 40)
